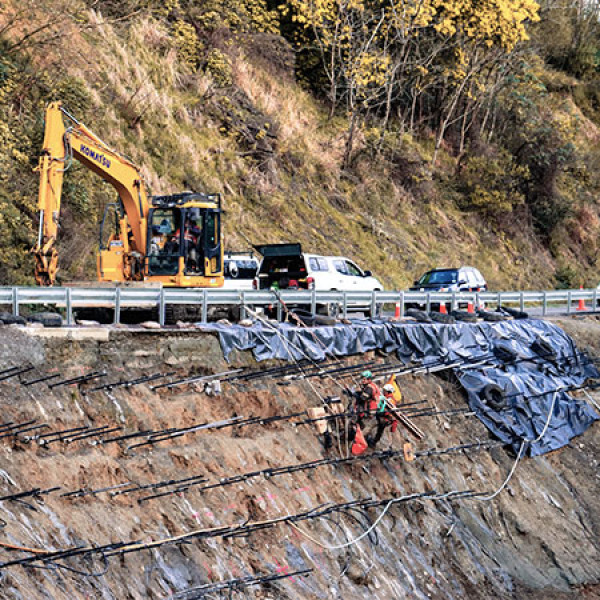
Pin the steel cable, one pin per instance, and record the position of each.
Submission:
(524, 442)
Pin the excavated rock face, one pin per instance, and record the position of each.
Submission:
(539, 538)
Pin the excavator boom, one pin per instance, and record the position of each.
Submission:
(173, 240)
(61, 145)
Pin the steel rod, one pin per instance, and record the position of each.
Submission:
(77, 380)
(40, 379)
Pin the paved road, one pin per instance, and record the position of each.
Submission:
(534, 311)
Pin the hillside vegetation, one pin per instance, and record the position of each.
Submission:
(405, 134)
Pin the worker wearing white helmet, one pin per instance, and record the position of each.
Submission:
(388, 389)
(385, 416)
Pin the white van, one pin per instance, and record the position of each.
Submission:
(285, 266)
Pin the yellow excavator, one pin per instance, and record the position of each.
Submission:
(171, 240)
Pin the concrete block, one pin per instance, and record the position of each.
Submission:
(98, 334)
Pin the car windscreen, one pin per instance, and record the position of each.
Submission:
(446, 276)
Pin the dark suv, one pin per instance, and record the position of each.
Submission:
(463, 279)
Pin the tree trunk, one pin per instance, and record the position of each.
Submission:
(350, 139)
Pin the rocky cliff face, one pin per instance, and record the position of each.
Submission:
(539, 538)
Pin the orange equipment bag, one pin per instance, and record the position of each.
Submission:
(360, 444)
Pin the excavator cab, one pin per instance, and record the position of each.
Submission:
(184, 246)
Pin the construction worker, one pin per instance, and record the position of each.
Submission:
(157, 241)
(365, 402)
(384, 415)
(172, 244)
(397, 395)
(190, 243)
(368, 397)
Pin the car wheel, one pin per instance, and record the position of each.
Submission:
(331, 309)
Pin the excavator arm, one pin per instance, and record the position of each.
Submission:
(61, 145)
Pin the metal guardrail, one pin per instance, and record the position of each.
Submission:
(119, 298)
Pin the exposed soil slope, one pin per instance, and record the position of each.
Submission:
(538, 539)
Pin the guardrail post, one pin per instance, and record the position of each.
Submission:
(499, 300)
(69, 308)
(117, 316)
(279, 310)
(313, 302)
(453, 302)
(15, 301)
(544, 304)
(204, 317)
(522, 302)
(569, 302)
(595, 299)
(402, 305)
(243, 313)
(373, 305)
(345, 305)
(428, 303)
(477, 303)
(161, 307)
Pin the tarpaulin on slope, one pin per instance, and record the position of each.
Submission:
(512, 394)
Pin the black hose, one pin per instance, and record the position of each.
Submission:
(54, 565)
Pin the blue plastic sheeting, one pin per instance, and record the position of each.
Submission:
(512, 394)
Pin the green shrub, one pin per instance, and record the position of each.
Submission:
(219, 68)
(566, 277)
(492, 184)
(73, 93)
(186, 43)
(238, 16)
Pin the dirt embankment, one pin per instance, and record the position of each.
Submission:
(539, 538)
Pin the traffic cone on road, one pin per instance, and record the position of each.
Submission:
(470, 308)
(397, 311)
(443, 310)
(581, 303)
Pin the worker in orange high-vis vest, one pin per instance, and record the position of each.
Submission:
(368, 397)
(366, 400)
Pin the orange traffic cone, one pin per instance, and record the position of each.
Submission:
(581, 303)
(397, 311)
(470, 308)
(443, 310)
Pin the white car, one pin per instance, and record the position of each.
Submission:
(285, 266)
